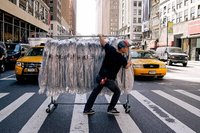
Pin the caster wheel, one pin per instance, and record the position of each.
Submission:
(48, 110)
(127, 110)
(125, 106)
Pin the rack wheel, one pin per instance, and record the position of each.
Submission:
(127, 110)
(48, 110)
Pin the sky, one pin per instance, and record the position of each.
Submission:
(86, 19)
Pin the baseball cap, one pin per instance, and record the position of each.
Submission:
(123, 44)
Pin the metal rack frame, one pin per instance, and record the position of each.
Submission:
(53, 104)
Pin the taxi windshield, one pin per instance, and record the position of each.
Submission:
(35, 52)
(141, 55)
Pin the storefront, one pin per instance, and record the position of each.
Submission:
(191, 42)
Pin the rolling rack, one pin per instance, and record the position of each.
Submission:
(53, 104)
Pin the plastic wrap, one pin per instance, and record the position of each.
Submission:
(71, 66)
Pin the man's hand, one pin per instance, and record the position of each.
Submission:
(102, 40)
(129, 64)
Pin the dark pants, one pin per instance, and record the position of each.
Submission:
(112, 85)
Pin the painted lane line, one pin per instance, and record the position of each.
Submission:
(14, 105)
(35, 122)
(124, 120)
(79, 123)
(163, 115)
(7, 77)
(189, 94)
(180, 103)
(3, 94)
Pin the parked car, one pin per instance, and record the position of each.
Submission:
(153, 52)
(144, 64)
(172, 55)
(28, 66)
(3, 57)
(14, 51)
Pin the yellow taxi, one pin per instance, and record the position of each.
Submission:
(145, 64)
(29, 65)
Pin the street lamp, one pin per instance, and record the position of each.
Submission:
(167, 30)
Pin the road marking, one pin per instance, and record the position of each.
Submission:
(8, 77)
(35, 122)
(79, 123)
(189, 94)
(163, 115)
(180, 103)
(124, 120)
(3, 94)
(14, 105)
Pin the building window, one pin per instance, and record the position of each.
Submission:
(186, 15)
(140, 4)
(198, 11)
(192, 11)
(179, 3)
(134, 20)
(13, 1)
(173, 18)
(186, 2)
(135, 12)
(173, 6)
(139, 20)
(179, 17)
(169, 8)
(135, 3)
(139, 12)
(164, 10)
(22, 4)
(51, 26)
(192, 1)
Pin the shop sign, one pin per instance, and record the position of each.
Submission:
(194, 27)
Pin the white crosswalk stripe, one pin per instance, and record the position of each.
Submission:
(125, 122)
(168, 119)
(3, 95)
(180, 103)
(14, 105)
(79, 122)
(38, 118)
(189, 94)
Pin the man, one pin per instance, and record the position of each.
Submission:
(111, 65)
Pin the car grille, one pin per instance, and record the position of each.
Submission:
(32, 65)
(179, 57)
(151, 66)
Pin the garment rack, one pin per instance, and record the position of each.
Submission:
(53, 104)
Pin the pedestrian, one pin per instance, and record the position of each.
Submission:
(111, 65)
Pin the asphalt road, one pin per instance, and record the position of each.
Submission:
(157, 106)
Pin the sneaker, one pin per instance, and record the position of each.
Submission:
(88, 112)
(113, 111)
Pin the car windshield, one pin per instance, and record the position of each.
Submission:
(175, 50)
(13, 47)
(35, 52)
(141, 55)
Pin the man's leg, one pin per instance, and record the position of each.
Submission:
(112, 85)
(92, 97)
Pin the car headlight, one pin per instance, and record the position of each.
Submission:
(20, 64)
(172, 57)
(163, 66)
(137, 66)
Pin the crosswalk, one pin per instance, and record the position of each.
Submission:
(126, 122)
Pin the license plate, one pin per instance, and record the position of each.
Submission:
(31, 70)
(152, 72)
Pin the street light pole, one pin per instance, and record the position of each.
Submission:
(167, 31)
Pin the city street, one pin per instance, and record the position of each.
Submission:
(171, 104)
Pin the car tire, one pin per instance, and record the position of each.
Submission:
(19, 78)
(2, 67)
(184, 64)
(169, 62)
(160, 77)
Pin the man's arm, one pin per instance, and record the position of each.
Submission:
(128, 64)
(102, 40)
